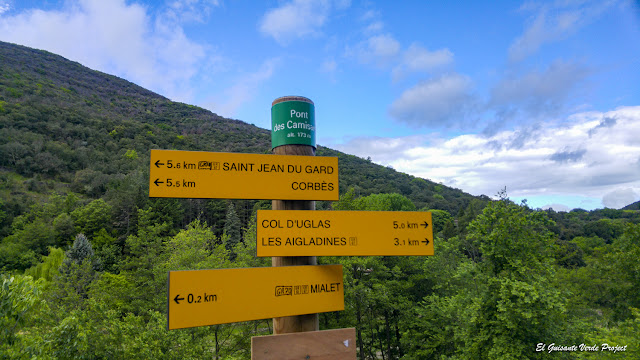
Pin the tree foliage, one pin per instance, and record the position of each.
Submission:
(232, 229)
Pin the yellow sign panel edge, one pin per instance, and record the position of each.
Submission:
(352, 218)
(248, 191)
(323, 301)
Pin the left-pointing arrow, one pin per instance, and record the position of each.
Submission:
(158, 163)
(177, 299)
(157, 182)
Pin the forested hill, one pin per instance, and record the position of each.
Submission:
(633, 206)
(66, 126)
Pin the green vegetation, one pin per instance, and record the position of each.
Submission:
(84, 253)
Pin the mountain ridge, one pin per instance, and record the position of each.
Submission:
(632, 206)
(69, 128)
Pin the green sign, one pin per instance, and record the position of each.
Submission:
(293, 122)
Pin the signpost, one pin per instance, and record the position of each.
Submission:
(290, 234)
(209, 297)
(198, 174)
(344, 233)
(297, 146)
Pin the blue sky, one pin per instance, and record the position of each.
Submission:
(542, 98)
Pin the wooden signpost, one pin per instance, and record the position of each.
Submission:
(285, 111)
(295, 289)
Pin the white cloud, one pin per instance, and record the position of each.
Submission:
(441, 101)
(243, 91)
(374, 27)
(539, 89)
(296, 19)
(384, 150)
(186, 11)
(620, 198)
(383, 46)
(113, 37)
(376, 48)
(379, 50)
(418, 59)
(370, 15)
(536, 94)
(4, 7)
(580, 158)
(555, 22)
(329, 66)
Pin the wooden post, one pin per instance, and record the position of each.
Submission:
(299, 323)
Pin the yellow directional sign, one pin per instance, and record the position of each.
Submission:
(344, 233)
(209, 297)
(210, 175)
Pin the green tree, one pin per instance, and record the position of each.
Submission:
(606, 229)
(64, 229)
(161, 210)
(246, 250)
(375, 202)
(115, 292)
(107, 250)
(91, 218)
(19, 296)
(232, 233)
(49, 267)
(440, 218)
(23, 248)
(614, 261)
(144, 255)
(80, 251)
(520, 303)
(126, 196)
(624, 334)
(504, 298)
(78, 270)
(385, 202)
(195, 248)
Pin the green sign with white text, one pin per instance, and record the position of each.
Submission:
(293, 122)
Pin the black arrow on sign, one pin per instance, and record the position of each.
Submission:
(178, 298)
(158, 163)
(425, 224)
(158, 182)
(426, 241)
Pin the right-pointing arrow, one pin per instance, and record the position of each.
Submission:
(425, 224)
(426, 241)
(177, 299)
